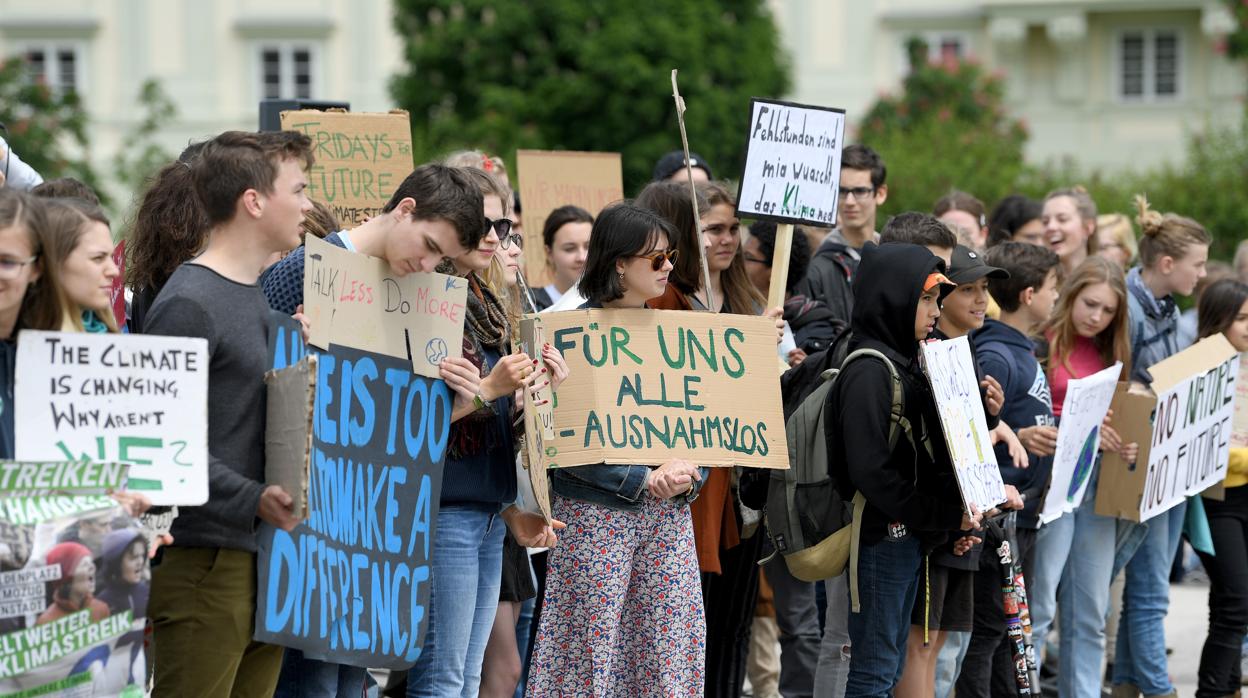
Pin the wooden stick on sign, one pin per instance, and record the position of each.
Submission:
(780, 265)
(693, 194)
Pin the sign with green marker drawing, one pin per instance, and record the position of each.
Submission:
(647, 386)
(118, 398)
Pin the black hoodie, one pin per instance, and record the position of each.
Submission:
(904, 486)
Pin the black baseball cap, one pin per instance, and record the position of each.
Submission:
(669, 164)
(968, 266)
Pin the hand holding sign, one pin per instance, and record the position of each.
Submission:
(672, 478)
(277, 508)
(1042, 441)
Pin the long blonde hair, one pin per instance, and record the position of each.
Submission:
(1166, 234)
(1114, 342)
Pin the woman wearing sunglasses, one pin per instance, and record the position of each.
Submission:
(623, 613)
(479, 479)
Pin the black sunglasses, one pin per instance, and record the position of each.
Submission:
(502, 226)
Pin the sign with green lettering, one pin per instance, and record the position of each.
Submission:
(648, 386)
(360, 159)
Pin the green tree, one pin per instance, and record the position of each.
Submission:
(48, 130)
(140, 155)
(947, 128)
(586, 75)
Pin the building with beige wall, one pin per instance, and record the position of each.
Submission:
(1113, 84)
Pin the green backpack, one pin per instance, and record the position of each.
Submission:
(808, 522)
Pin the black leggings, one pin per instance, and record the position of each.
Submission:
(1228, 594)
(729, 599)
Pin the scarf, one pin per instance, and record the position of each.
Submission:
(92, 323)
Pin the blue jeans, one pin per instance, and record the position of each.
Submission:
(1076, 550)
(463, 597)
(888, 572)
(311, 678)
(1141, 652)
(949, 661)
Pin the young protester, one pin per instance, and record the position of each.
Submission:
(1173, 252)
(965, 214)
(863, 190)
(74, 290)
(169, 227)
(252, 187)
(74, 591)
(671, 168)
(1075, 553)
(123, 583)
(623, 613)
(813, 325)
(1005, 351)
(1016, 218)
(910, 491)
(945, 598)
(434, 213)
(1224, 309)
(479, 479)
(920, 229)
(670, 200)
(1115, 239)
(566, 236)
(21, 219)
(1069, 219)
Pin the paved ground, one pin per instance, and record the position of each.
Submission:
(1185, 632)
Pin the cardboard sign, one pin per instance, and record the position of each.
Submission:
(361, 159)
(648, 386)
(73, 598)
(550, 179)
(357, 301)
(951, 371)
(1239, 423)
(539, 416)
(792, 163)
(137, 399)
(1078, 440)
(119, 284)
(350, 585)
(1183, 429)
(290, 408)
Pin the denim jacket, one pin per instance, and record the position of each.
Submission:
(1154, 327)
(620, 487)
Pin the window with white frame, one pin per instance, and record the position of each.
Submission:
(287, 70)
(941, 46)
(1148, 66)
(57, 65)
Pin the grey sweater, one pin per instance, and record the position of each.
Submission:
(234, 318)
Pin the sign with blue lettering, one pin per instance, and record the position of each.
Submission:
(351, 584)
(792, 163)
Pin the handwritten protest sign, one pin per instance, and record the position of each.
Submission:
(137, 399)
(792, 163)
(550, 179)
(74, 581)
(647, 386)
(1239, 424)
(357, 301)
(1078, 439)
(351, 584)
(1183, 429)
(539, 417)
(361, 158)
(951, 371)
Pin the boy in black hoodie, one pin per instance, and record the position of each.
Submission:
(910, 489)
(1006, 352)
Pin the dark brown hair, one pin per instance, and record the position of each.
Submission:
(861, 157)
(621, 231)
(561, 217)
(670, 200)
(169, 227)
(1029, 265)
(957, 200)
(444, 193)
(66, 188)
(741, 296)
(1219, 305)
(237, 161)
(320, 221)
(918, 229)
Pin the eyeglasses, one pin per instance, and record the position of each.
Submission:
(502, 226)
(859, 193)
(506, 241)
(658, 259)
(10, 268)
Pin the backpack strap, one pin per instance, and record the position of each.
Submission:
(855, 536)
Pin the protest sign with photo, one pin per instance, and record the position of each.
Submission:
(137, 399)
(74, 583)
(1239, 424)
(792, 163)
(351, 583)
(1078, 440)
(357, 301)
(1183, 428)
(646, 387)
(361, 158)
(549, 179)
(950, 369)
